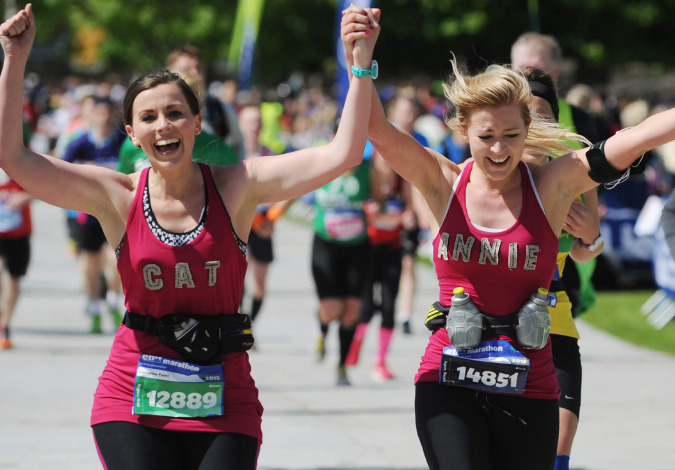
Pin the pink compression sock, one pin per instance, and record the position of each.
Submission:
(385, 339)
(360, 332)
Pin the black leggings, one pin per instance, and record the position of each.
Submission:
(567, 361)
(463, 429)
(130, 446)
(384, 267)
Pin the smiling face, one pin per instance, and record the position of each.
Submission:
(496, 136)
(163, 124)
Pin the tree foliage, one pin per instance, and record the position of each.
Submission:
(139, 34)
(418, 35)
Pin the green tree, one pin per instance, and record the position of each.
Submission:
(417, 38)
(139, 34)
(295, 35)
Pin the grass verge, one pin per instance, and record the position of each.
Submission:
(618, 313)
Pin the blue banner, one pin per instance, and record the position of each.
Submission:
(342, 78)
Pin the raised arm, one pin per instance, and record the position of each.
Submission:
(608, 160)
(82, 187)
(424, 168)
(293, 174)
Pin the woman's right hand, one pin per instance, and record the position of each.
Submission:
(359, 31)
(17, 34)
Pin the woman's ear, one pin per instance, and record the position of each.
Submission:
(132, 136)
(465, 136)
(198, 124)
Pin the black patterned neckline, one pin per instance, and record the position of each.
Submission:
(177, 239)
(165, 236)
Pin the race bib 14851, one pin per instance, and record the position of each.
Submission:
(494, 366)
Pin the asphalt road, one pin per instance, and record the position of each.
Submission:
(48, 379)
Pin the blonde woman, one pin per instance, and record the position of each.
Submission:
(496, 223)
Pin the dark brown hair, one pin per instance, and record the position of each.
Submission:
(153, 79)
(543, 85)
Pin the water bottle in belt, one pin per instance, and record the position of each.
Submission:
(465, 322)
(534, 322)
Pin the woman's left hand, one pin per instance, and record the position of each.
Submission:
(581, 223)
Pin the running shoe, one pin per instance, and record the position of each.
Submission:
(381, 373)
(406, 327)
(117, 316)
(5, 343)
(342, 379)
(353, 354)
(96, 325)
(321, 347)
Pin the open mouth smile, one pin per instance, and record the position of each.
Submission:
(167, 145)
(498, 161)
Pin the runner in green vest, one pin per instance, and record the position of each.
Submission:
(340, 256)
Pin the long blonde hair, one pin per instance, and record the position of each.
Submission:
(500, 85)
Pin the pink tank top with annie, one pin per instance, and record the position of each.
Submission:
(499, 269)
(200, 272)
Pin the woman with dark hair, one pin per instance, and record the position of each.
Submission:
(177, 391)
(581, 241)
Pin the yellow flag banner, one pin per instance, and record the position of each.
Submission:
(244, 36)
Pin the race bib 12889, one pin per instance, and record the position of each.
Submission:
(177, 389)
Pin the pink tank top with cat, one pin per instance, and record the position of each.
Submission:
(202, 274)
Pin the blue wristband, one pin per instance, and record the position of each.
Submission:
(372, 72)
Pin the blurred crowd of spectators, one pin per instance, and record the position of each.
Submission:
(302, 112)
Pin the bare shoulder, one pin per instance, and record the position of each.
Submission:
(449, 169)
(123, 189)
(546, 176)
(133, 179)
(567, 173)
(559, 181)
(127, 184)
(232, 181)
(438, 191)
(228, 174)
